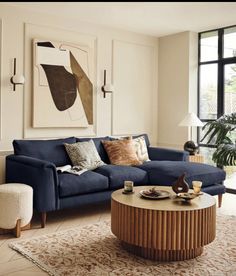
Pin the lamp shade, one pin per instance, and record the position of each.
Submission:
(191, 120)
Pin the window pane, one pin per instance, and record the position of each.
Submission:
(207, 154)
(230, 42)
(208, 91)
(209, 46)
(230, 88)
(230, 181)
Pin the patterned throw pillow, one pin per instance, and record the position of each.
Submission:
(84, 155)
(121, 152)
(141, 149)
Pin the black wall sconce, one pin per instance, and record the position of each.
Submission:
(106, 88)
(16, 78)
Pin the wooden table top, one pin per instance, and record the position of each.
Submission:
(167, 204)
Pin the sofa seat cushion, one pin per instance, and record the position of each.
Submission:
(216, 189)
(166, 172)
(117, 174)
(48, 150)
(87, 182)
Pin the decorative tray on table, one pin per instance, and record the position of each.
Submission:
(154, 194)
(187, 196)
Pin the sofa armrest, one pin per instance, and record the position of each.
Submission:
(167, 154)
(39, 174)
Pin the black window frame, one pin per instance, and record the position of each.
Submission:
(221, 62)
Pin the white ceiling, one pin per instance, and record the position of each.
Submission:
(152, 18)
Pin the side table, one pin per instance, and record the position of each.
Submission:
(198, 158)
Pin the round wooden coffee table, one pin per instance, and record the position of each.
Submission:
(164, 229)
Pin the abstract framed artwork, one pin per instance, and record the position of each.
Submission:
(62, 85)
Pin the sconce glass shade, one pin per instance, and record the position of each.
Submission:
(18, 79)
(108, 87)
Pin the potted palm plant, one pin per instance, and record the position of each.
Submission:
(222, 131)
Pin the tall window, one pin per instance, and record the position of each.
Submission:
(216, 78)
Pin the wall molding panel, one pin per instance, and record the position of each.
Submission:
(135, 97)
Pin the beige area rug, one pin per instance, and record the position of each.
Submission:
(94, 250)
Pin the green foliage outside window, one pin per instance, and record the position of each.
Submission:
(223, 130)
(230, 83)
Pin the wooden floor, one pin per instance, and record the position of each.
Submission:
(12, 263)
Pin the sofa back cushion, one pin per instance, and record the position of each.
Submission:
(99, 146)
(134, 136)
(49, 150)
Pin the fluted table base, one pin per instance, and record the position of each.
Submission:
(163, 255)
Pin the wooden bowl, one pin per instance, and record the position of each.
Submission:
(187, 196)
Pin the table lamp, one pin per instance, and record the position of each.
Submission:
(191, 120)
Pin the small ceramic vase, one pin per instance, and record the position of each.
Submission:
(180, 185)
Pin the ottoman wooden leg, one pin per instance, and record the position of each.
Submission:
(26, 227)
(17, 228)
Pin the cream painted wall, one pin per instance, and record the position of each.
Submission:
(177, 86)
(14, 104)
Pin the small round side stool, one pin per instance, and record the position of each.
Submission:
(16, 207)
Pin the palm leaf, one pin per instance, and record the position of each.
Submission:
(220, 128)
(225, 155)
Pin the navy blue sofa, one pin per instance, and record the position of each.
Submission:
(34, 163)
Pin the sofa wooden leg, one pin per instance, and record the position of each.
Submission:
(43, 219)
(16, 230)
(220, 200)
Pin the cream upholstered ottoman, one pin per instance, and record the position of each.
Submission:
(16, 206)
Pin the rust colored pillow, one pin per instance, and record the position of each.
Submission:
(121, 152)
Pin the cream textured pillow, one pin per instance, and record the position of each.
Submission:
(121, 152)
(141, 149)
(84, 155)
